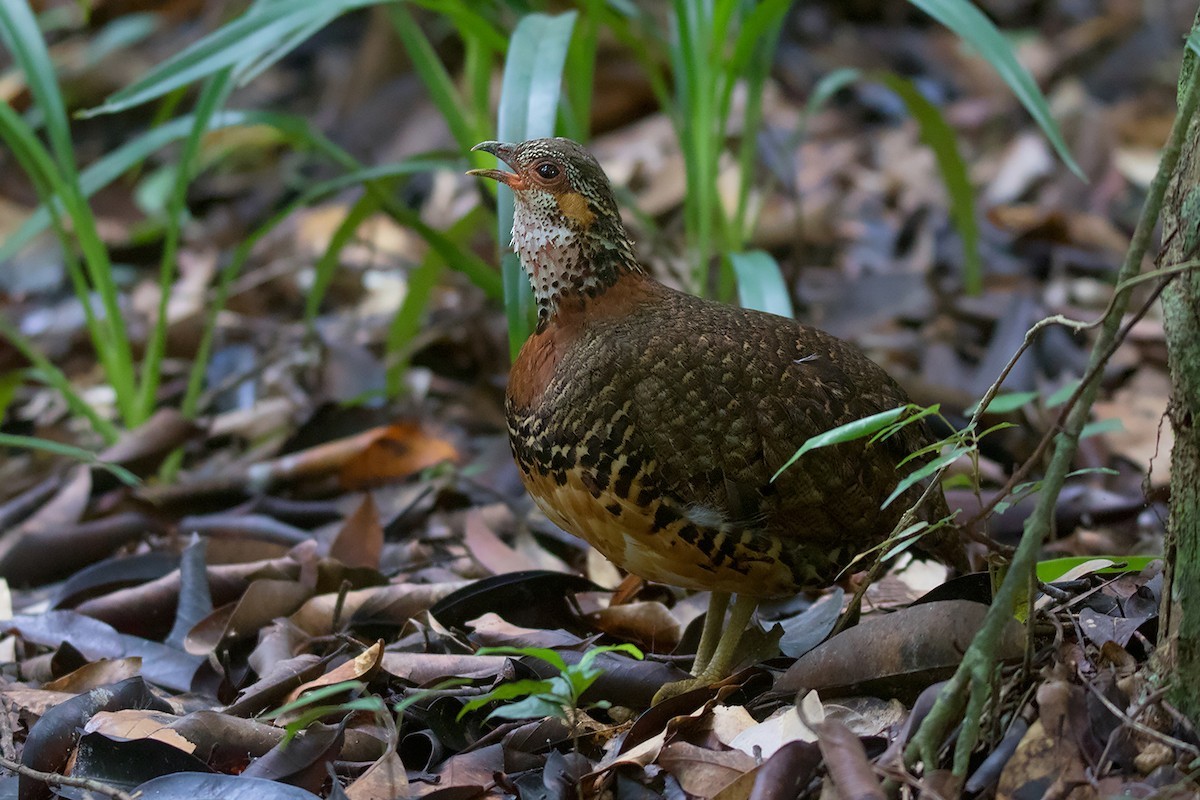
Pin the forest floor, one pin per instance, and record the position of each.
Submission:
(374, 541)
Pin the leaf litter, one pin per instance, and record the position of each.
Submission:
(371, 550)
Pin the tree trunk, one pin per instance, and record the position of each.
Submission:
(1179, 630)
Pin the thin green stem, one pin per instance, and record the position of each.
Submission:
(216, 91)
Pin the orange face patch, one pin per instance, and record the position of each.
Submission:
(575, 207)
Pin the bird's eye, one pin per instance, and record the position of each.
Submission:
(548, 171)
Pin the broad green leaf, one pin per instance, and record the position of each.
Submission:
(529, 95)
(962, 17)
(858, 429)
(507, 691)
(533, 707)
(1054, 569)
(940, 137)
(760, 283)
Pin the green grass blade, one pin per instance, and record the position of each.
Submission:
(54, 377)
(434, 76)
(329, 261)
(21, 35)
(241, 44)
(938, 134)
(58, 181)
(469, 23)
(77, 453)
(215, 92)
(407, 321)
(529, 98)
(973, 26)
(546, 654)
(760, 283)
(754, 54)
(580, 74)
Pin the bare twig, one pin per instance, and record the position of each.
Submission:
(1022, 472)
(55, 779)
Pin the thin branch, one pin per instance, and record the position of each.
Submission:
(55, 779)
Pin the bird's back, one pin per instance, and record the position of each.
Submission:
(650, 423)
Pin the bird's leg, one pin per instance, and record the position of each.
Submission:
(722, 658)
(714, 620)
(719, 664)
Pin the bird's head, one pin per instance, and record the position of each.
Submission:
(567, 229)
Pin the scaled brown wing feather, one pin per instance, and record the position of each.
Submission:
(716, 393)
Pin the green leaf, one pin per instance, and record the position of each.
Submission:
(858, 429)
(434, 76)
(830, 84)
(760, 283)
(1101, 426)
(529, 95)
(940, 137)
(924, 472)
(530, 708)
(507, 691)
(23, 39)
(905, 539)
(1005, 403)
(1063, 394)
(551, 657)
(316, 695)
(962, 17)
(627, 649)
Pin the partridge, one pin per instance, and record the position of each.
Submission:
(650, 422)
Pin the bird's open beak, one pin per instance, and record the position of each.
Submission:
(503, 152)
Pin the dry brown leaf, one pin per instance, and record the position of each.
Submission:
(359, 668)
(393, 603)
(263, 601)
(896, 654)
(384, 780)
(96, 673)
(133, 723)
(427, 668)
(1146, 436)
(701, 772)
(359, 543)
(649, 624)
(394, 453)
